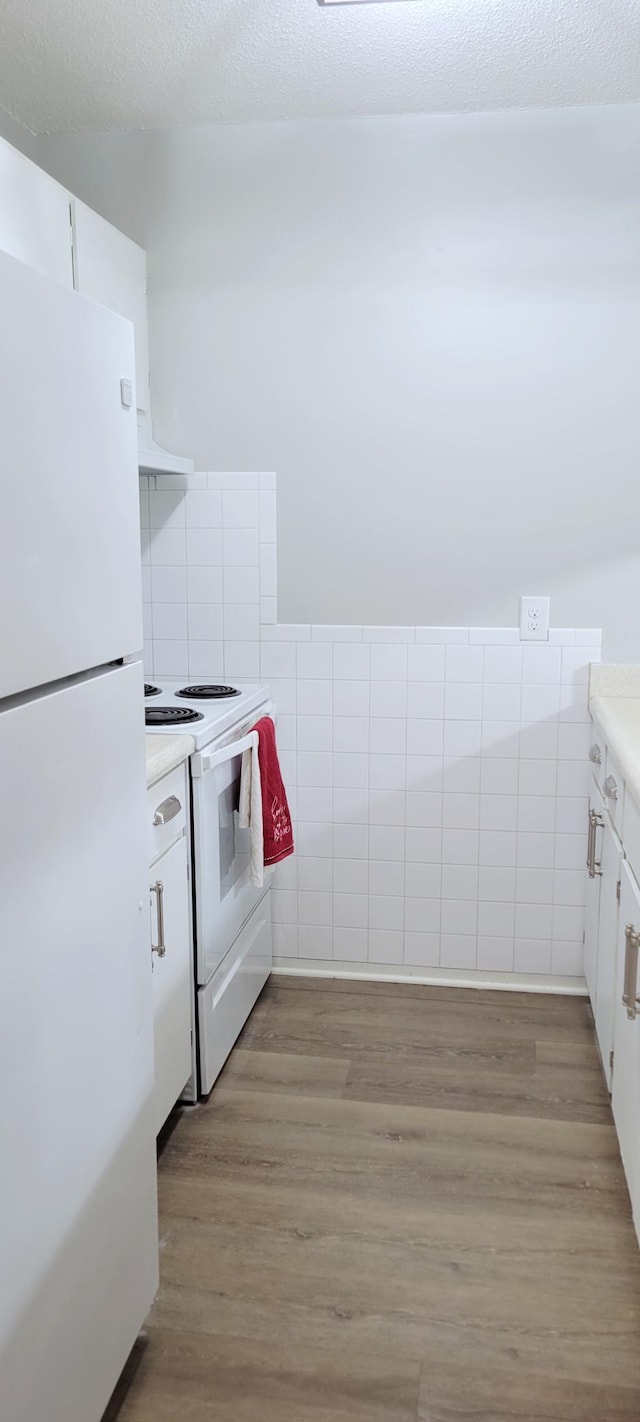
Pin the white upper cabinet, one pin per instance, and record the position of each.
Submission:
(35, 223)
(112, 269)
(50, 230)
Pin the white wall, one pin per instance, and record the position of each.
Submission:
(428, 326)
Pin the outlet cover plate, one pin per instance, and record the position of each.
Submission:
(534, 618)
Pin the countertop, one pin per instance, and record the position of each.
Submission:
(614, 703)
(614, 679)
(164, 753)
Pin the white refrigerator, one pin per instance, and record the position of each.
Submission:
(78, 1227)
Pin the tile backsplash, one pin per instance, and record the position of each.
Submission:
(438, 776)
(209, 572)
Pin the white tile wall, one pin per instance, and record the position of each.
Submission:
(437, 775)
(209, 569)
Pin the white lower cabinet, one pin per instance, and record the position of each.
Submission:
(592, 902)
(612, 950)
(171, 955)
(626, 1077)
(609, 850)
(604, 859)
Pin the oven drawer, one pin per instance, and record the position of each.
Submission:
(226, 1001)
(166, 811)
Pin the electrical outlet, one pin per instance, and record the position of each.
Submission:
(534, 619)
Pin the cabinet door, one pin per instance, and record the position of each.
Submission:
(112, 269)
(609, 849)
(172, 977)
(626, 1072)
(35, 224)
(592, 909)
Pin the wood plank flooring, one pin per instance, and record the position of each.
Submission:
(399, 1204)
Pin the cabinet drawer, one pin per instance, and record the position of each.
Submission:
(166, 811)
(613, 791)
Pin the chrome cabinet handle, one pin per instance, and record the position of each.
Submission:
(596, 822)
(595, 754)
(167, 810)
(629, 995)
(590, 839)
(160, 947)
(610, 788)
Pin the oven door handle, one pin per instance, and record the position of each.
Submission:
(208, 760)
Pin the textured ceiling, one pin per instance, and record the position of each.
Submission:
(80, 64)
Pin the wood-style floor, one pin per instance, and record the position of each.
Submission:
(399, 1203)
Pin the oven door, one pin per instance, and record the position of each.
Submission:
(224, 894)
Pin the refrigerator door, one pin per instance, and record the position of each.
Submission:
(69, 534)
(78, 1226)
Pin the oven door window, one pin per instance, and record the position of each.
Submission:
(234, 842)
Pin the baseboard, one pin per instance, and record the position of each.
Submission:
(434, 977)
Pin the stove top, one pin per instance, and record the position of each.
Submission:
(207, 692)
(203, 710)
(171, 715)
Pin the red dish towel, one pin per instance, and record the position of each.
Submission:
(276, 819)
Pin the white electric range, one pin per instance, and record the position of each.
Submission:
(231, 917)
(204, 710)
